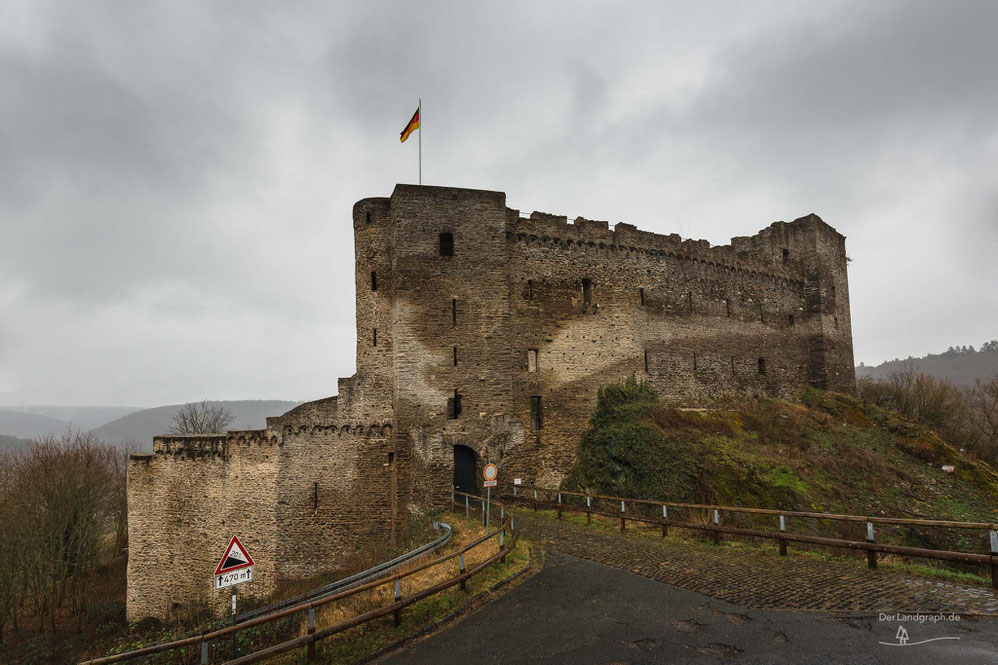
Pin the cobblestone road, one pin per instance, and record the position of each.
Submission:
(759, 578)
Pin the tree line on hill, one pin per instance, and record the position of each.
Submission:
(63, 516)
(961, 365)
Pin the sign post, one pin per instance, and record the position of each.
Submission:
(235, 567)
(490, 473)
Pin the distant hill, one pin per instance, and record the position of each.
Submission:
(81, 417)
(30, 425)
(962, 367)
(141, 426)
(11, 443)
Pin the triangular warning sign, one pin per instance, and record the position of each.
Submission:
(235, 558)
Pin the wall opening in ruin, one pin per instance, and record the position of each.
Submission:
(587, 291)
(454, 405)
(536, 416)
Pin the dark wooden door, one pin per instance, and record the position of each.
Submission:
(465, 473)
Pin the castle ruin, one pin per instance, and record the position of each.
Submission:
(482, 335)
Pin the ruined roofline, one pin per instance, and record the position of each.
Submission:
(587, 229)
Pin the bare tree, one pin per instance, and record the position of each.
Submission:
(201, 418)
(59, 514)
(982, 418)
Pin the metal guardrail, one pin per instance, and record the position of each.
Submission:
(714, 526)
(313, 636)
(359, 578)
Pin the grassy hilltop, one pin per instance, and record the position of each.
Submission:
(828, 453)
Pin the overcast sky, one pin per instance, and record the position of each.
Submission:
(176, 178)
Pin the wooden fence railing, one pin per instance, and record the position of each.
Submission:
(557, 499)
(314, 635)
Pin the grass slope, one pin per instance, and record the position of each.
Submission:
(828, 453)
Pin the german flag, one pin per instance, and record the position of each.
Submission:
(411, 127)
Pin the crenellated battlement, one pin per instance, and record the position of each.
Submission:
(195, 446)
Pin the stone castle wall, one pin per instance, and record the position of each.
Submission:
(764, 315)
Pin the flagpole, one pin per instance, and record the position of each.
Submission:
(420, 109)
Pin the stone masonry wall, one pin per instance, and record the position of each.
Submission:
(185, 501)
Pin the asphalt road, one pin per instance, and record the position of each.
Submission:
(580, 612)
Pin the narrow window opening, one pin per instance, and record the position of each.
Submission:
(531, 360)
(315, 497)
(694, 361)
(446, 244)
(374, 280)
(453, 311)
(530, 289)
(587, 291)
(762, 365)
(646, 360)
(641, 292)
(391, 458)
(455, 356)
(367, 217)
(762, 317)
(732, 365)
(536, 417)
(791, 319)
(689, 301)
(786, 255)
(454, 405)
(836, 320)
(727, 306)
(374, 336)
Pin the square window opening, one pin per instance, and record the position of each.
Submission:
(446, 244)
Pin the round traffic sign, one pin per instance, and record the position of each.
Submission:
(490, 472)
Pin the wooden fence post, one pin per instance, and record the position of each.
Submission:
(622, 510)
(994, 558)
(398, 598)
(665, 521)
(871, 556)
(717, 524)
(535, 501)
(589, 505)
(311, 630)
(783, 533)
(559, 505)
